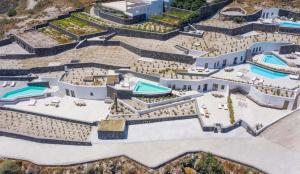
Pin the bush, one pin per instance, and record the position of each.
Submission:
(188, 4)
(209, 164)
(12, 12)
(230, 108)
(239, 20)
(10, 167)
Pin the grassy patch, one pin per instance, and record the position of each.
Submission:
(166, 19)
(76, 26)
(180, 14)
(56, 35)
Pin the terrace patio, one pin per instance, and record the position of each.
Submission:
(282, 82)
(38, 39)
(94, 110)
(12, 48)
(243, 107)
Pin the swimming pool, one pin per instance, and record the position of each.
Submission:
(27, 91)
(272, 59)
(290, 24)
(147, 88)
(266, 73)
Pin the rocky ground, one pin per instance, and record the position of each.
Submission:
(187, 164)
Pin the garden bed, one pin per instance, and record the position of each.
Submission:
(56, 35)
(76, 26)
(146, 26)
(167, 20)
(157, 99)
(184, 15)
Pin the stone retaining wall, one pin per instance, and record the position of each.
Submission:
(44, 140)
(5, 41)
(167, 118)
(22, 72)
(46, 115)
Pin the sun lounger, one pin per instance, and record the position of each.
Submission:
(225, 106)
(79, 103)
(220, 105)
(4, 84)
(12, 84)
(32, 102)
(239, 74)
(294, 77)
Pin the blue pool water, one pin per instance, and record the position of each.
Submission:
(27, 91)
(290, 24)
(273, 60)
(147, 88)
(266, 73)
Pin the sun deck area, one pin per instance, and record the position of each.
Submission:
(38, 39)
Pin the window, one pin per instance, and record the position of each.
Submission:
(224, 62)
(72, 93)
(235, 60)
(206, 65)
(205, 87)
(184, 87)
(91, 94)
(199, 87)
(189, 87)
(259, 49)
(241, 59)
(67, 92)
(215, 87)
(222, 87)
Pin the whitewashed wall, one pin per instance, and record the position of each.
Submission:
(84, 92)
(270, 13)
(276, 101)
(256, 48)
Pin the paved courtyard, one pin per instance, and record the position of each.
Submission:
(244, 109)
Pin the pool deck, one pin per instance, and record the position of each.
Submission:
(285, 82)
(67, 109)
(19, 84)
(244, 109)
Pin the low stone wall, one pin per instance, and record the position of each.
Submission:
(5, 41)
(18, 56)
(162, 118)
(289, 14)
(44, 140)
(288, 49)
(22, 72)
(46, 115)
(210, 10)
(140, 75)
(240, 30)
(159, 55)
(289, 30)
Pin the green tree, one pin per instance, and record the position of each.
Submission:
(209, 165)
(10, 167)
(12, 12)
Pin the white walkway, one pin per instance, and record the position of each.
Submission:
(257, 152)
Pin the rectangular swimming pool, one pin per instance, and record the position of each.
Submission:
(266, 73)
(147, 88)
(27, 91)
(272, 59)
(290, 24)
